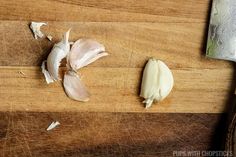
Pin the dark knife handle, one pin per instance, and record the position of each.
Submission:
(230, 144)
(231, 139)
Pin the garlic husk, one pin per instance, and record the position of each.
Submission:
(157, 82)
(84, 52)
(35, 27)
(74, 87)
(47, 76)
(49, 37)
(53, 125)
(59, 51)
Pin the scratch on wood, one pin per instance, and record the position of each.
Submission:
(130, 136)
(19, 144)
(6, 138)
(22, 74)
(26, 140)
(10, 121)
(4, 40)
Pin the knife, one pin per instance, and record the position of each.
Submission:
(221, 44)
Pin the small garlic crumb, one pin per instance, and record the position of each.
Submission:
(35, 27)
(53, 125)
(49, 37)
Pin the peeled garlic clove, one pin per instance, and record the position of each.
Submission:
(35, 27)
(74, 88)
(157, 82)
(84, 52)
(59, 51)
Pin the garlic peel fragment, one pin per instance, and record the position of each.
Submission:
(46, 73)
(35, 27)
(53, 125)
(49, 37)
(157, 82)
(84, 52)
(74, 87)
(59, 51)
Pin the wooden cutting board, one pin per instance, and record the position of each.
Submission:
(114, 122)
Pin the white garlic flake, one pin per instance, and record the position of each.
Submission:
(53, 125)
(157, 82)
(46, 73)
(35, 27)
(49, 37)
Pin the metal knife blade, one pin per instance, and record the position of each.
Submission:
(221, 42)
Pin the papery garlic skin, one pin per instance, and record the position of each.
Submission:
(35, 27)
(157, 82)
(74, 87)
(53, 125)
(59, 51)
(49, 37)
(47, 76)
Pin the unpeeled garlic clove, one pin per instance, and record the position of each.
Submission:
(157, 82)
(35, 27)
(59, 51)
(74, 88)
(84, 52)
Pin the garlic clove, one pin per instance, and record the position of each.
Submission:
(35, 27)
(84, 52)
(74, 88)
(46, 73)
(59, 51)
(157, 82)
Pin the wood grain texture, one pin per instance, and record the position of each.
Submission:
(93, 10)
(106, 134)
(198, 80)
(129, 44)
(132, 31)
(115, 90)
